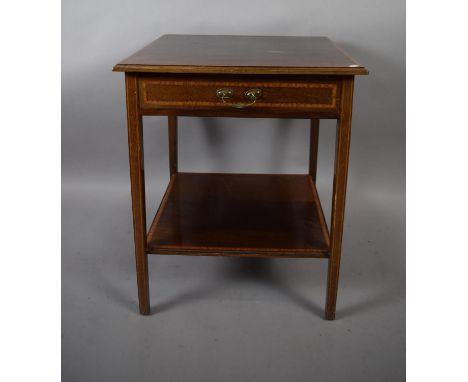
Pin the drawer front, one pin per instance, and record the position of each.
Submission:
(192, 94)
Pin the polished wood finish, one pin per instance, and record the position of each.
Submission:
(343, 138)
(200, 93)
(173, 152)
(241, 54)
(243, 113)
(313, 147)
(255, 215)
(137, 180)
(240, 214)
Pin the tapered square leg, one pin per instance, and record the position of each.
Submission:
(137, 180)
(339, 195)
(173, 155)
(313, 149)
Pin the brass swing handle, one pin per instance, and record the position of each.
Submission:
(252, 95)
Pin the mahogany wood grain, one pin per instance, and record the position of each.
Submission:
(241, 54)
(343, 138)
(277, 94)
(321, 216)
(313, 149)
(255, 215)
(244, 113)
(173, 149)
(137, 180)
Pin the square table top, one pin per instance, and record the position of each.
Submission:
(219, 54)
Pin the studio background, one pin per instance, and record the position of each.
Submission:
(224, 319)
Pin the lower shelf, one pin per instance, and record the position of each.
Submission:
(240, 215)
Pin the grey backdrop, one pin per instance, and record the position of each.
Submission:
(220, 319)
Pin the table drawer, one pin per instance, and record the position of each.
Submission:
(283, 95)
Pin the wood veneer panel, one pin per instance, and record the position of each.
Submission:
(240, 214)
(241, 54)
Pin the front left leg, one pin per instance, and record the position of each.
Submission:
(137, 180)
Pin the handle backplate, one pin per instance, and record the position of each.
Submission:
(252, 95)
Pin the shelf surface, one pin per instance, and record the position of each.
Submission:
(240, 215)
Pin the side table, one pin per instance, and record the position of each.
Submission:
(250, 215)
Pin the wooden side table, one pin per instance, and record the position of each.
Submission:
(255, 215)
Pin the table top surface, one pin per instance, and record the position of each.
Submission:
(243, 55)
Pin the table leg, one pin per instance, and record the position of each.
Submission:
(173, 156)
(137, 180)
(314, 137)
(339, 195)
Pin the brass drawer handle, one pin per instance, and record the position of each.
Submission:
(252, 95)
